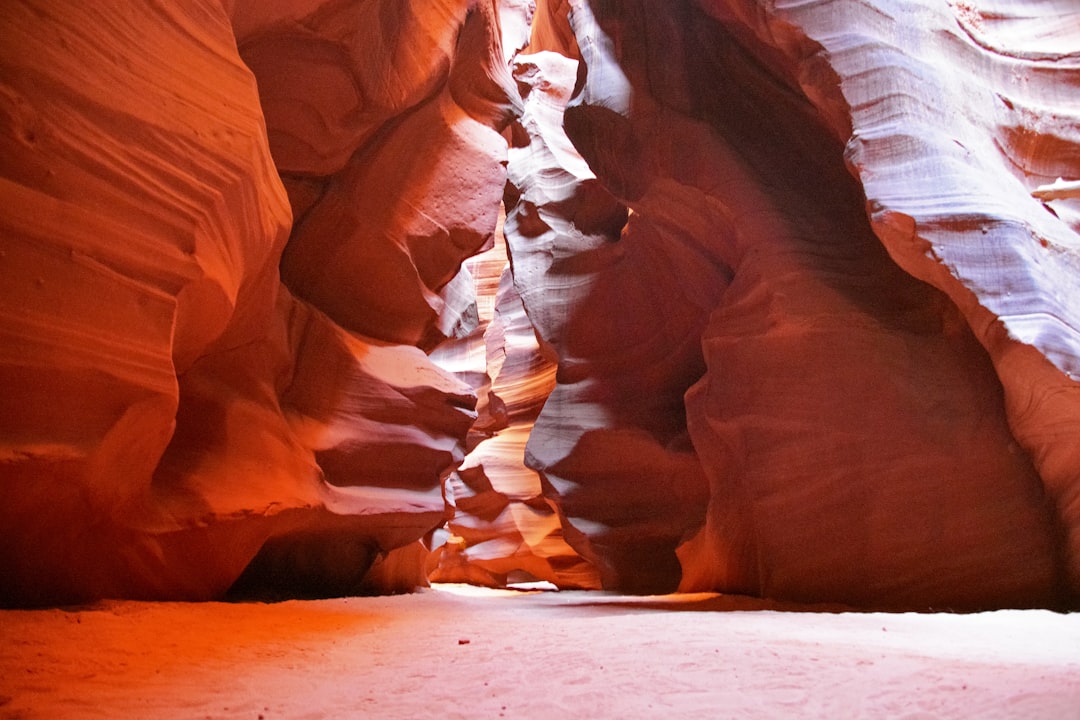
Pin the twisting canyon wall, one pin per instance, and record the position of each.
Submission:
(777, 311)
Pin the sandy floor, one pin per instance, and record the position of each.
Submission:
(460, 652)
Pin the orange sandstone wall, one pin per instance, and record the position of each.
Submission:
(783, 309)
(170, 411)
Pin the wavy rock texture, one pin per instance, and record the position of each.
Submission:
(623, 308)
(143, 223)
(173, 419)
(991, 112)
(947, 143)
(869, 432)
(384, 118)
(503, 528)
(797, 276)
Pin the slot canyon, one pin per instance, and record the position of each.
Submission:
(762, 308)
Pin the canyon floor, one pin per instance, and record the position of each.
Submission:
(462, 652)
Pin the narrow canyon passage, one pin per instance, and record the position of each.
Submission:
(342, 297)
(749, 330)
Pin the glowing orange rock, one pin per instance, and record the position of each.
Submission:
(143, 224)
(169, 412)
(503, 529)
(805, 299)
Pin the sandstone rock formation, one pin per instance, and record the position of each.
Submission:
(788, 304)
(171, 412)
(877, 386)
(142, 227)
(624, 314)
(503, 528)
(400, 211)
(996, 116)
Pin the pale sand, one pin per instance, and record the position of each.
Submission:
(459, 652)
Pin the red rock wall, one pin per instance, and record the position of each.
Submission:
(947, 143)
(806, 332)
(143, 220)
(392, 154)
(882, 410)
(173, 418)
(992, 115)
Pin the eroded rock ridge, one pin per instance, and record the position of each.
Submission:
(785, 302)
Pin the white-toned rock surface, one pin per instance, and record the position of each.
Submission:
(863, 436)
(624, 313)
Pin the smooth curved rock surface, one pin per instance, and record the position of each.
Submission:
(857, 434)
(991, 113)
(174, 422)
(792, 312)
(142, 226)
(333, 72)
(948, 145)
(384, 119)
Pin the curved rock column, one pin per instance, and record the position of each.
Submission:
(857, 439)
(623, 308)
(384, 119)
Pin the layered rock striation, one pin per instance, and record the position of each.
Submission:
(879, 421)
(176, 422)
(787, 306)
(622, 303)
(503, 529)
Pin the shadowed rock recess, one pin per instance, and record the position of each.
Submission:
(782, 304)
